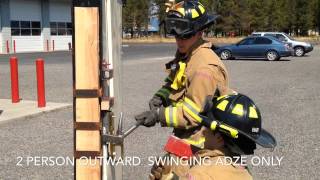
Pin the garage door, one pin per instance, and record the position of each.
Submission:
(60, 24)
(26, 25)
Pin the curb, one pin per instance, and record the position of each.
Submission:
(36, 114)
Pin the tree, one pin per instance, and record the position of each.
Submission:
(239, 16)
(135, 15)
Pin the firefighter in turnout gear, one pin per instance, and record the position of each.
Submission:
(195, 73)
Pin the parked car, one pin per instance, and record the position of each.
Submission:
(300, 48)
(256, 47)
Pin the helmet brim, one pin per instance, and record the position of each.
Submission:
(211, 20)
(265, 139)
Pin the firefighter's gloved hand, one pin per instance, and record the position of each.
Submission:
(155, 102)
(148, 118)
(159, 171)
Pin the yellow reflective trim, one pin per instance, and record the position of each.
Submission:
(220, 97)
(194, 13)
(201, 9)
(232, 132)
(199, 143)
(192, 104)
(167, 116)
(238, 110)
(213, 125)
(181, 10)
(253, 113)
(192, 109)
(174, 115)
(192, 114)
(178, 104)
(222, 106)
(179, 79)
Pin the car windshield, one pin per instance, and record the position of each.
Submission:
(291, 38)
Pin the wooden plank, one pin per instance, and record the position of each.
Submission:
(105, 105)
(86, 75)
(87, 170)
(87, 110)
(88, 140)
(86, 22)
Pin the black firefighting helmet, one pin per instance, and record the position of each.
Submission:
(186, 18)
(237, 115)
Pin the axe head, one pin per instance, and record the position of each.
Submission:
(178, 147)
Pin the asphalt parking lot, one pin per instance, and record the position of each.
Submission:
(286, 91)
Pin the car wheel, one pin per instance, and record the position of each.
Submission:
(272, 56)
(299, 51)
(225, 55)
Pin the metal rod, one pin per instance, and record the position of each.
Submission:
(119, 130)
(129, 131)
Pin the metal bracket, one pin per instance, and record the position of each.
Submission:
(107, 71)
(116, 140)
(119, 137)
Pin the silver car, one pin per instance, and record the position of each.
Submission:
(300, 48)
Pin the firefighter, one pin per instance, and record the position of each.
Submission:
(234, 122)
(195, 73)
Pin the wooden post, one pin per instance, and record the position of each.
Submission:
(97, 92)
(87, 121)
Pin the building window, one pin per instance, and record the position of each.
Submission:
(60, 28)
(25, 28)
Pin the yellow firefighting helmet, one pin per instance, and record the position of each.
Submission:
(236, 115)
(186, 18)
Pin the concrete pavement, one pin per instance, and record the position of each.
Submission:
(25, 109)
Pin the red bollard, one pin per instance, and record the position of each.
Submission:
(14, 46)
(8, 49)
(41, 83)
(14, 80)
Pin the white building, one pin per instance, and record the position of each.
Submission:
(35, 25)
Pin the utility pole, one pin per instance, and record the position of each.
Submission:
(97, 88)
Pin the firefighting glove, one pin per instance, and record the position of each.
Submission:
(148, 118)
(155, 102)
(160, 171)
